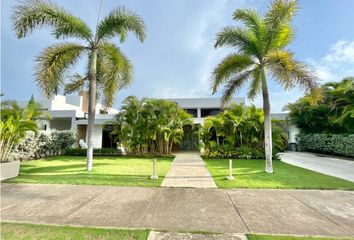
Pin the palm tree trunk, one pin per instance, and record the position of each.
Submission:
(267, 125)
(91, 109)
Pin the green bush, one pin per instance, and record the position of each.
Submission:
(243, 152)
(96, 152)
(42, 144)
(334, 144)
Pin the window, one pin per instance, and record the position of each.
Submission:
(192, 111)
(205, 112)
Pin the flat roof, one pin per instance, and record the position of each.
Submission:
(204, 102)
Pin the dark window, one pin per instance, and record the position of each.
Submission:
(205, 112)
(192, 111)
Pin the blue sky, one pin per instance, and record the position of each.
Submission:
(177, 58)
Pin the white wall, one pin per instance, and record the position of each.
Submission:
(97, 136)
(293, 131)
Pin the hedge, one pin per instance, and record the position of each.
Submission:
(42, 144)
(333, 144)
(96, 152)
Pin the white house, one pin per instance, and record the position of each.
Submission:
(70, 113)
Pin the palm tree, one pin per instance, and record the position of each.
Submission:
(260, 50)
(108, 69)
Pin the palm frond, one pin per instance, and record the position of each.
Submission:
(77, 83)
(280, 11)
(30, 14)
(277, 20)
(234, 84)
(242, 39)
(289, 72)
(252, 20)
(119, 22)
(228, 67)
(53, 63)
(256, 83)
(114, 71)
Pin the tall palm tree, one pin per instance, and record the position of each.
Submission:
(260, 50)
(108, 69)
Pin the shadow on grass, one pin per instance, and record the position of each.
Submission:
(61, 168)
(88, 178)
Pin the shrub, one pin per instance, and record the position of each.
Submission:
(243, 152)
(43, 144)
(334, 144)
(96, 152)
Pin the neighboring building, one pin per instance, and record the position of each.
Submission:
(71, 112)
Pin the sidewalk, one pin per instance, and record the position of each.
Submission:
(188, 170)
(332, 166)
(295, 212)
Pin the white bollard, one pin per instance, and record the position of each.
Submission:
(154, 174)
(230, 177)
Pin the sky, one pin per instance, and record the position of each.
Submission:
(177, 58)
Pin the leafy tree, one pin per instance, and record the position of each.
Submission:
(150, 126)
(260, 51)
(240, 127)
(332, 113)
(108, 69)
(15, 122)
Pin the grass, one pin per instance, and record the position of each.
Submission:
(22, 231)
(272, 237)
(113, 171)
(250, 174)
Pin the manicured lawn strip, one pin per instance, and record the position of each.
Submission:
(113, 171)
(272, 237)
(22, 231)
(250, 174)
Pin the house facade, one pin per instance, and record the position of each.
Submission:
(71, 113)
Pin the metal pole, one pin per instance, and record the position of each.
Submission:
(154, 174)
(230, 177)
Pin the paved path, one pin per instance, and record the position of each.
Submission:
(327, 213)
(188, 170)
(324, 164)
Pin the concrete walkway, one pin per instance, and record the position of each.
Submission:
(188, 170)
(324, 164)
(296, 212)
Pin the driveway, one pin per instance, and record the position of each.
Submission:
(295, 212)
(324, 164)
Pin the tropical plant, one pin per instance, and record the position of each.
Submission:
(238, 131)
(15, 122)
(108, 69)
(332, 113)
(260, 50)
(150, 126)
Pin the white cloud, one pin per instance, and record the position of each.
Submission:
(337, 63)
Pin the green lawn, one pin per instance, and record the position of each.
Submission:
(270, 237)
(250, 174)
(115, 171)
(21, 231)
